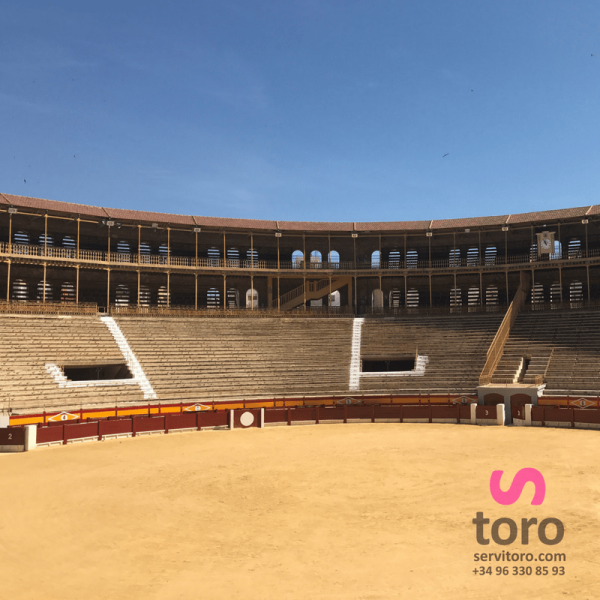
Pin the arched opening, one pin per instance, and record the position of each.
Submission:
(394, 259)
(69, 242)
(412, 298)
(20, 290)
(315, 260)
(576, 294)
(555, 295)
(297, 259)
(574, 250)
(233, 298)
(490, 255)
(214, 257)
(533, 252)
(163, 254)
(376, 260)
(123, 251)
(21, 238)
(252, 257)
(145, 295)
(395, 298)
(213, 298)
(334, 259)
(473, 257)
(473, 298)
(67, 292)
(455, 299)
(163, 296)
(537, 296)
(335, 299)
(412, 259)
(377, 299)
(233, 257)
(145, 252)
(455, 257)
(557, 254)
(251, 300)
(122, 295)
(491, 298)
(40, 291)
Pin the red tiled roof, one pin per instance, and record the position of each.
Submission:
(53, 205)
(255, 224)
(548, 215)
(152, 217)
(392, 225)
(235, 223)
(314, 226)
(468, 222)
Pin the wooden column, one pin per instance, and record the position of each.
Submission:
(252, 258)
(45, 240)
(196, 286)
(278, 296)
(586, 242)
(78, 234)
(44, 290)
(278, 263)
(168, 288)
(560, 282)
(196, 254)
(10, 233)
(107, 290)
(588, 278)
(354, 244)
(77, 284)
(430, 290)
(506, 247)
(507, 295)
(304, 291)
(224, 288)
(168, 245)
(252, 292)
(8, 281)
(139, 251)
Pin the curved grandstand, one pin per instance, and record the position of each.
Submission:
(106, 309)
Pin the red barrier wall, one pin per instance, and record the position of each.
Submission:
(12, 436)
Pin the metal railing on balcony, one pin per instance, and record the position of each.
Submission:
(455, 262)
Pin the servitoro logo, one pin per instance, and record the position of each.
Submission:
(510, 497)
(504, 531)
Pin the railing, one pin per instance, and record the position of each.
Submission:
(190, 311)
(496, 348)
(115, 257)
(400, 311)
(62, 308)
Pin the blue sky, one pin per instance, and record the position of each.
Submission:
(303, 109)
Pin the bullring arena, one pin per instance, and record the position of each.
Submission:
(421, 356)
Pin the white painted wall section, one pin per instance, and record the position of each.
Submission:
(355, 358)
(130, 358)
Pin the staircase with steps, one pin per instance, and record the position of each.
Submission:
(314, 291)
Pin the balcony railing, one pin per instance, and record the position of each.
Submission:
(120, 258)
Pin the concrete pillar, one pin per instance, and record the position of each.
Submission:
(262, 418)
(30, 437)
(500, 414)
(474, 413)
(231, 424)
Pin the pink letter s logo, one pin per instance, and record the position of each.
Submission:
(517, 485)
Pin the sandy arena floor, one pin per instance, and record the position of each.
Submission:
(330, 511)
